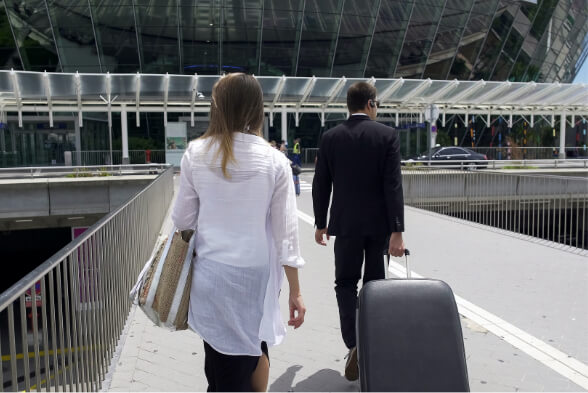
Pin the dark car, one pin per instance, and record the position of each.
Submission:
(454, 155)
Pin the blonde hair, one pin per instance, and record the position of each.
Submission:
(237, 106)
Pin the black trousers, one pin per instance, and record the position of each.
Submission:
(349, 257)
(229, 373)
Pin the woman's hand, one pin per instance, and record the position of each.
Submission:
(297, 310)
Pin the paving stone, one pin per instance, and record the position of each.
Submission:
(121, 380)
(139, 387)
(170, 371)
(160, 381)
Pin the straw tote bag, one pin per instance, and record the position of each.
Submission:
(162, 289)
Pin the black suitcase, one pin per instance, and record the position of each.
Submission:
(409, 337)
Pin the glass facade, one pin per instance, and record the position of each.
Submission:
(437, 39)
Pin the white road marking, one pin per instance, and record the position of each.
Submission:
(305, 217)
(305, 186)
(558, 361)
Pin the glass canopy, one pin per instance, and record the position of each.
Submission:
(23, 91)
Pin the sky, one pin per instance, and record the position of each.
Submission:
(582, 76)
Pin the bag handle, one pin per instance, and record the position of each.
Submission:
(406, 263)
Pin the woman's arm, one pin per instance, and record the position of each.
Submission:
(284, 219)
(295, 302)
(187, 205)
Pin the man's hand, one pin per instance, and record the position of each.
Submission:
(396, 246)
(297, 310)
(319, 236)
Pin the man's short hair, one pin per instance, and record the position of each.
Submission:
(358, 96)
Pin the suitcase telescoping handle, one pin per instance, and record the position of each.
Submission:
(407, 265)
(406, 255)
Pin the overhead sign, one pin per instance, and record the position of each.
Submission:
(176, 142)
(405, 126)
(431, 113)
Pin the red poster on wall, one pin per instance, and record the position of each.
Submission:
(29, 297)
(77, 231)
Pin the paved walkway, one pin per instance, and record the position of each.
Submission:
(524, 306)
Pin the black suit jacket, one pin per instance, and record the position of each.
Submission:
(360, 161)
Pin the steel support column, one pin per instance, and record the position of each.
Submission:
(78, 142)
(562, 135)
(266, 128)
(285, 126)
(125, 135)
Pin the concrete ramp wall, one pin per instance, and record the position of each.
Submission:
(23, 198)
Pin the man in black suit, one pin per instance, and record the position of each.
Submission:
(360, 161)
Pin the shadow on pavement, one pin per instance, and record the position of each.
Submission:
(325, 380)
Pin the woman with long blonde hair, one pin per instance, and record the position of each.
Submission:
(236, 193)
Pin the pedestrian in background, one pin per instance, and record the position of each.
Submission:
(367, 203)
(236, 192)
(296, 151)
(296, 170)
(296, 165)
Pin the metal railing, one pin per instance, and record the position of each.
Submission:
(307, 156)
(548, 207)
(528, 153)
(60, 324)
(85, 157)
(554, 163)
(81, 171)
(9, 159)
(493, 153)
(102, 157)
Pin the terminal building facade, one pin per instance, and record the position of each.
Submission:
(437, 39)
(519, 41)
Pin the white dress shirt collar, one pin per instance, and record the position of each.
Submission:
(250, 138)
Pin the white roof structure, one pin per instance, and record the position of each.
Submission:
(23, 91)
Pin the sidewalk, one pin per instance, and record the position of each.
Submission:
(520, 281)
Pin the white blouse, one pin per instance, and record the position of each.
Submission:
(246, 230)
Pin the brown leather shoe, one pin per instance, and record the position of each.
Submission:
(351, 367)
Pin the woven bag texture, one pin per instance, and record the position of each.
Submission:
(181, 322)
(167, 284)
(170, 275)
(144, 291)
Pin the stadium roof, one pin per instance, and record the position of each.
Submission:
(22, 91)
